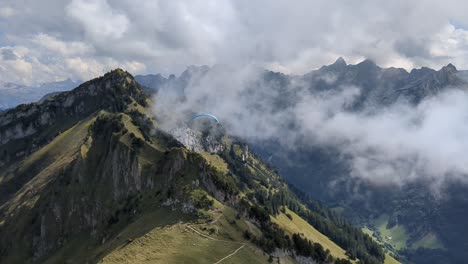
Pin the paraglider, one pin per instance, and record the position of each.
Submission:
(206, 115)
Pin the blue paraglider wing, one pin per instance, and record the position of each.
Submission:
(207, 115)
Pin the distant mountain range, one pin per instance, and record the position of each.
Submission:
(409, 220)
(12, 94)
(379, 85)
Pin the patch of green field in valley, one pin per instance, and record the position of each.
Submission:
(428, 241)
(388, 258)
(395, 236)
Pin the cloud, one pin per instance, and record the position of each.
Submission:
(81, 39)
(293, 37)
(13, 64)
(51, 59)
(6, 12)
(8, 54)
(52, 39)
(394, 145)
(54, 45)
(98, 18)
(400, 144)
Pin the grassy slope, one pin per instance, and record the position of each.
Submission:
(299, 225)
(81, 250)
(390, 260)
(64, 143)
(174, 242)
(57, 154)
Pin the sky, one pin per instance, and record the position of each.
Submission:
(50, 40)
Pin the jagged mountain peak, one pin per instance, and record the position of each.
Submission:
(117, 71)
(115, 76)
(338, 66)
(449, 68)
(195, 69)
(367, 63)
(118, 82)
(340, 62)
(119, 75)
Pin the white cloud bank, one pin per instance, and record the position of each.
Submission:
(394, 145)
(166, 36)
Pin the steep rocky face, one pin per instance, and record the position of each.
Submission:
(28, 123)
(27, 129)
(196, 141)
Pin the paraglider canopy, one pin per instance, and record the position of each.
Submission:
(206, 115)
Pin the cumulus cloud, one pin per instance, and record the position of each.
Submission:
(98, 18)
(294, 37)
(6, 11)
(399, 145)
(59, 47)
(13, 64)
(8, 54)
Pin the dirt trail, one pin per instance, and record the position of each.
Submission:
(232, 254)
(220, 240)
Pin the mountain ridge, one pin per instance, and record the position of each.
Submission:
(152, 82)
(99, 166)
(380, 86)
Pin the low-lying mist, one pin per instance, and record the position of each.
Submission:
(397, 144)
